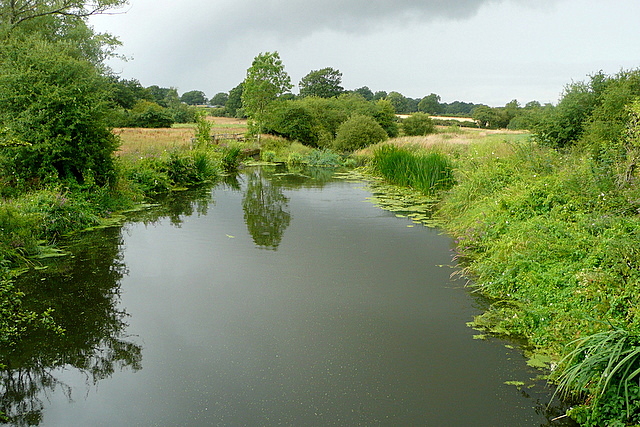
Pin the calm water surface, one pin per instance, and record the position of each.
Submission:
(268, 300)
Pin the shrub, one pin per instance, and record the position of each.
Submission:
(293, 121)
(359, 131)
(53, 115)
(418, 124)
(147, 114)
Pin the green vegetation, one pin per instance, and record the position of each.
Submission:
(425, 171)
(418, 124)
(359, 131)
(551, 235)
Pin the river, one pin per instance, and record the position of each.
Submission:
(272, 298)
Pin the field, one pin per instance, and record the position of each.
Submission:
(140, 142)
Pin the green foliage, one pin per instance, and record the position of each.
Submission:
(359, 131)
(418, 124)
(56, 105)
(265, 81)
(385, 115)
(230, 158)
(125, 93)
(323, 158)
(294, 121)
(324, 83)
(146, 114)
(203, 129)
(194, 97)
(233, 107)
(431, 104)
(219, 99)
(427, 172)
(21, 12)
(605, 365)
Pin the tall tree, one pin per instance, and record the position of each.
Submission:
(266, 80)
(194, 97)
(324, 83)
(219, 99)
(430, 104)
(16, 12)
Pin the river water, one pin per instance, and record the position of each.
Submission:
(270, 299)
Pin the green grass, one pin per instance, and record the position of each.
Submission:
(425, 171)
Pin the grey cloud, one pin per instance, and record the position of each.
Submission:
(304, 17)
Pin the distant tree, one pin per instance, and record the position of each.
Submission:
(458, 108)
(220, 99)
(385, 115)
(430, 104)
(233, 106)
(366, 93)
(380, 95)
(265, 81)
(194, 97)
(324, 83)
(125, 93)
(532, 104)
(159, 94)
(483, 115)
(399, 101)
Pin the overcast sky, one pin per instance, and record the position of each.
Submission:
(481, 51)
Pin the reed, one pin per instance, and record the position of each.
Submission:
(425, 171)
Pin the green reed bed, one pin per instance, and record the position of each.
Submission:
(425, 171)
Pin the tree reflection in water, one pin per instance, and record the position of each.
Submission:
(265, 211)
(84, 291)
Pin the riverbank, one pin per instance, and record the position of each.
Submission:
(551, 238)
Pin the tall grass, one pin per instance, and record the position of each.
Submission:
(425, 171)
(607, 366)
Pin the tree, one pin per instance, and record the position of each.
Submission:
(265, 81)
(385, 115)
(399, 101)
(233, 107)
(430, 104)
(194, 97)
(125, 93)
(219, 99)
(17, 12)
(366, 93)
(159, 94)
(324, 83)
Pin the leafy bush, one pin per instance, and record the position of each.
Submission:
(53, 115)
(418, 124)
(147, 114)
(293, 121)
(359, 131)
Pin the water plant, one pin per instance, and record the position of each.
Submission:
(606, 366)
(426, 171)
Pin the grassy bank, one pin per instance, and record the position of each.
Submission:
(552, 239)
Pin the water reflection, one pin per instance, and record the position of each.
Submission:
(84, 292)
(266, 211)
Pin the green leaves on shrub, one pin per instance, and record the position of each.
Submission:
(418, 124)
(357, 132)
